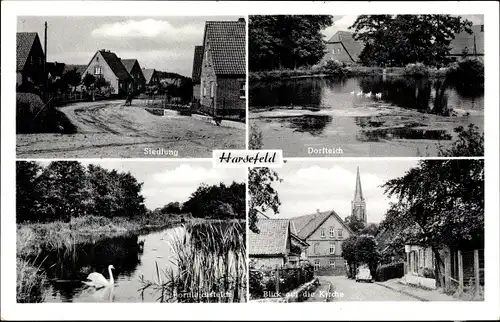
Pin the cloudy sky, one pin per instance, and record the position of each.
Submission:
(327, 185)
(344, 22)
(163, 43)
(166, 182)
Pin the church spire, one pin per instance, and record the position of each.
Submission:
(358, 193)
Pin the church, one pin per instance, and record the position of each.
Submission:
(325, 232)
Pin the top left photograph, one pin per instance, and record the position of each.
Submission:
(130, 87)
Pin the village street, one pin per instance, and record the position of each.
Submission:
(110, 129)
(361, 291)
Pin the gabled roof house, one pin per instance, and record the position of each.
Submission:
(29, 59)
(342, 47)
(134, 69)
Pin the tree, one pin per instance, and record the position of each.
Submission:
(89, 80)
(440, 203)
(389, 41)
(217, 201)
(26, 190)
(286, 41)
(470, 143)
(366, 252)
(354, 224)
(263, 196)
(71, 78)
(371, 229)
(349, 254)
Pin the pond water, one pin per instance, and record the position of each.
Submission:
(363, 116)
(133, 256)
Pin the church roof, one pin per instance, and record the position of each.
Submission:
(358, 192)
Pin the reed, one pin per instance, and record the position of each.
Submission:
(209, 265)
(30, 282)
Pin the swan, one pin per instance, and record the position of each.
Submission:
(368, 94)
(378, 95)
(97, 280)
(360, 93)
(353, 92)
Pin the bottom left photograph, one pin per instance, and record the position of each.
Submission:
(127, 231)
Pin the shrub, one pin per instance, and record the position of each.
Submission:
(428, 273)
(417, 70)
(466, 71)
(334, 67)
(255, 141)
(30, 282)
(390, 271)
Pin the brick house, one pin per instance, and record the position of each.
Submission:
(271, 246)
(105, 64)
(324, 232)
(343, 47)
(134, 69)
(197, 61)
(223, 69)
(468, 45)
(151, 77)
(30, 60)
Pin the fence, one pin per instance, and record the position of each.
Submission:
(277, 282)
(234, 114)
(465, 268)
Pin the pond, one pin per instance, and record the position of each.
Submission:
(362, 116)
(135, 257)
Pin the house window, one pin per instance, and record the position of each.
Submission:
(316, 264)
(333, 51)
(338, 50)
(332, 263)
(212, 89)
(332, 232)
(243, 89)
(204, 88)
(340, 233)
(332, 248)
(323, 233)
(482, 28)
(98, 70)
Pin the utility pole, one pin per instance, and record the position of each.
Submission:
(46, 77)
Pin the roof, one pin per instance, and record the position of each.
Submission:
(24, 43)
(306, 225)
(463, 40)
(197, 60)
(116, 65)
(352, 47)
(148, 74)
(358, 192)
(129, 64)
(227, 43)
(79, 68)
(271, 239)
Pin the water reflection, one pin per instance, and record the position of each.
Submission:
(313, 124)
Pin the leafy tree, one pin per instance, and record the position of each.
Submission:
(354, 224)
(26, 190)
(470, 143)
(263, 196)
(286, 41)
(88, 80)
(390, 42)
(62, 192)
(71, 78)
(349, 254)
(366, 252)
(371, 229)
(217, 201)
(441, 203)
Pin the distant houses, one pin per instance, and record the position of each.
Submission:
(30, 61)
(134, 69)
(151, 77)
(342, 47)
(223, 68)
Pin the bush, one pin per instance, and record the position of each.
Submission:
(255, 141)
(417, 70)
(390, 271)
(264, 282)
(467, 70)
(334, 67)
(428, 273)
(33, 116)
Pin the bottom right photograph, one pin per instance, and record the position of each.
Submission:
(367, 230)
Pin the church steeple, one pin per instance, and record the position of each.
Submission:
(358, 204)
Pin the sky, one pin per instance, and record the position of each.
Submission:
(166, 182)
(343, 23)
(329, 185)
(163, 43)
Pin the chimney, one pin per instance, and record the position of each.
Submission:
(317, 211)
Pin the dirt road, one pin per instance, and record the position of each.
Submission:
(111, 130)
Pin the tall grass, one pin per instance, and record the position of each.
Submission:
(30, 283)
(209, 265)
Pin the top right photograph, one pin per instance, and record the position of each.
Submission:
(367, 85)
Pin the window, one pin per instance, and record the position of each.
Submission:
(212, 89)
(338, 50)
(98, 70)
(482, 28)
(332, 232)
(323, 233)
(243, 89)
(204, 88)
(333, 51)
(316, 264)
(332, 248)
(201, 88)
(340, 232)
(332, 263)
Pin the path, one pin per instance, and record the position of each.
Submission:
(110, 129)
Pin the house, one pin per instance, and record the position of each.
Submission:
(197, 61)
(151, 77)
(134, 69)
(106, 64)
(30, 60)
(468, 45)
(324, 232)
(223, 68)
(343, 47)
(272, 245)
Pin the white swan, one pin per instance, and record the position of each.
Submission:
(378, 95)
(353, 92)
(97, 280)
(360, 93)
(368, 94)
